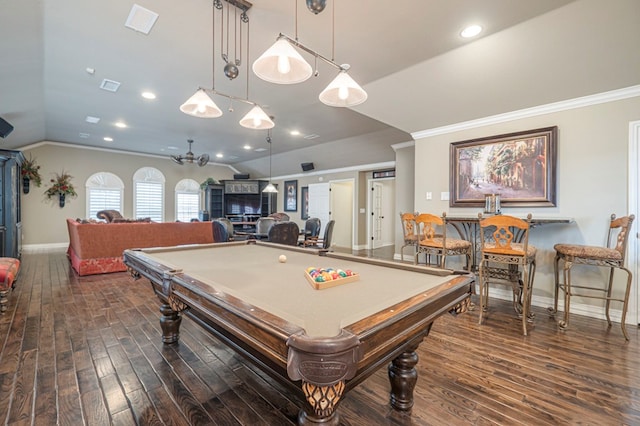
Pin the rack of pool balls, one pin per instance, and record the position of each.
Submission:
(321, 278)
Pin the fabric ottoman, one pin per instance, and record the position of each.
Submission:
(9, 268)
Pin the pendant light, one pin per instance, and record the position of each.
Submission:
(282, 64)
(270, 188)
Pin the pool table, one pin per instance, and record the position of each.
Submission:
(318, 343)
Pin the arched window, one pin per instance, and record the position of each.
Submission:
(187, 200)
(104, 192)
(148, 194)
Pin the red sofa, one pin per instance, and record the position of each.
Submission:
(96, 248)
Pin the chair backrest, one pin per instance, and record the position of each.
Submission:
(280, 217)
(408, 225)
(619, 232)
(499, 233)
(228, 224)
(430, 226)
(263, 225)
(220, 234)
(284, 233)
(312, 227)
(328, 232)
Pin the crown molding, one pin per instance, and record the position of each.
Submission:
(599, 98)
(359, 168)
(114, 151)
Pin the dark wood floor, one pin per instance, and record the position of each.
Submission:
(88, 351)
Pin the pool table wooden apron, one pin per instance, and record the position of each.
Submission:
(318, 343)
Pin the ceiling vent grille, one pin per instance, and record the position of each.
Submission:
(110, 85)
(141, 19)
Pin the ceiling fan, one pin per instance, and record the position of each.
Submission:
(189, 157)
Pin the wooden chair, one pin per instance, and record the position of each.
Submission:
(433, 240)
(506, 256)
(611, 256)
(408, 222)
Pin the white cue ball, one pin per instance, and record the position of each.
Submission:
(282, 258)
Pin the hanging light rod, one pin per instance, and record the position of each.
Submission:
(201, 104)
(281, 64)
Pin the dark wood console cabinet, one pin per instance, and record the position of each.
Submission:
(239, 200)
(10, 213)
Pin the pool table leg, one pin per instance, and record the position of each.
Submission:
(323, 400)
(170, 324)
(403, 376)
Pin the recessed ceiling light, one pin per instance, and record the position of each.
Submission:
(121, 124)
(108, 139)
(247, 147)
(294, 132)
(92, 120)
(173, 148)
(471, 31)
(148, 95)
(260, 149)
(219, 155)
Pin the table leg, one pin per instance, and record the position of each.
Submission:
(403, 378)
(170, 324)
(323, 401)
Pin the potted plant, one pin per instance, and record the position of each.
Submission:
(30, 172)
(208, 181)
(61, 186)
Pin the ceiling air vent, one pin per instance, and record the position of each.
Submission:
(311, 136)
(141, 19)
(110, 85)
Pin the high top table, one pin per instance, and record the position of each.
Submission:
(469, 229)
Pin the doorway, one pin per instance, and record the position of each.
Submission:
(342, 211)
(381, 214)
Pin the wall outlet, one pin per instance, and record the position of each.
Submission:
(362, 210)
(429, 195)
(444, 196)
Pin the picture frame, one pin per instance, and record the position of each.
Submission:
(304, 203)
(520, 167)
(291, 195)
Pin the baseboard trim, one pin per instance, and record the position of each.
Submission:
(29, 248)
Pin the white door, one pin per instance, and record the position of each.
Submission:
(319, 203)
(376, 215)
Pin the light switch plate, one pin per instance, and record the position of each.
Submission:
(444, 196)
(429, 195)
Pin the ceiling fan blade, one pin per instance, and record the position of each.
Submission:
(203, 160)
(177, 159)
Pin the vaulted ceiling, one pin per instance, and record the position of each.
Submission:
(407, 54)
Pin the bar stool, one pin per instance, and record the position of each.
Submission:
(608, 257)
(506, 256)
(433, 240)
(408, 222)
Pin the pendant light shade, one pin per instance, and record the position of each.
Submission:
(256, 119)
(201, 105)
(282, 64)
(270, 188)
(343, 91)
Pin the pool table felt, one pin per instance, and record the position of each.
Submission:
(253, 274)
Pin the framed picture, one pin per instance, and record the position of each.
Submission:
(304, 203)
(520, 167)
(291, 195)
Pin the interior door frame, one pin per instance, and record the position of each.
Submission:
(634, 208)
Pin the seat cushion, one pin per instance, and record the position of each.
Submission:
(451, 243)
(516, 247)
(9, 268)
(587, 252)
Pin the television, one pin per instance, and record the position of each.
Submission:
(242, 204)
